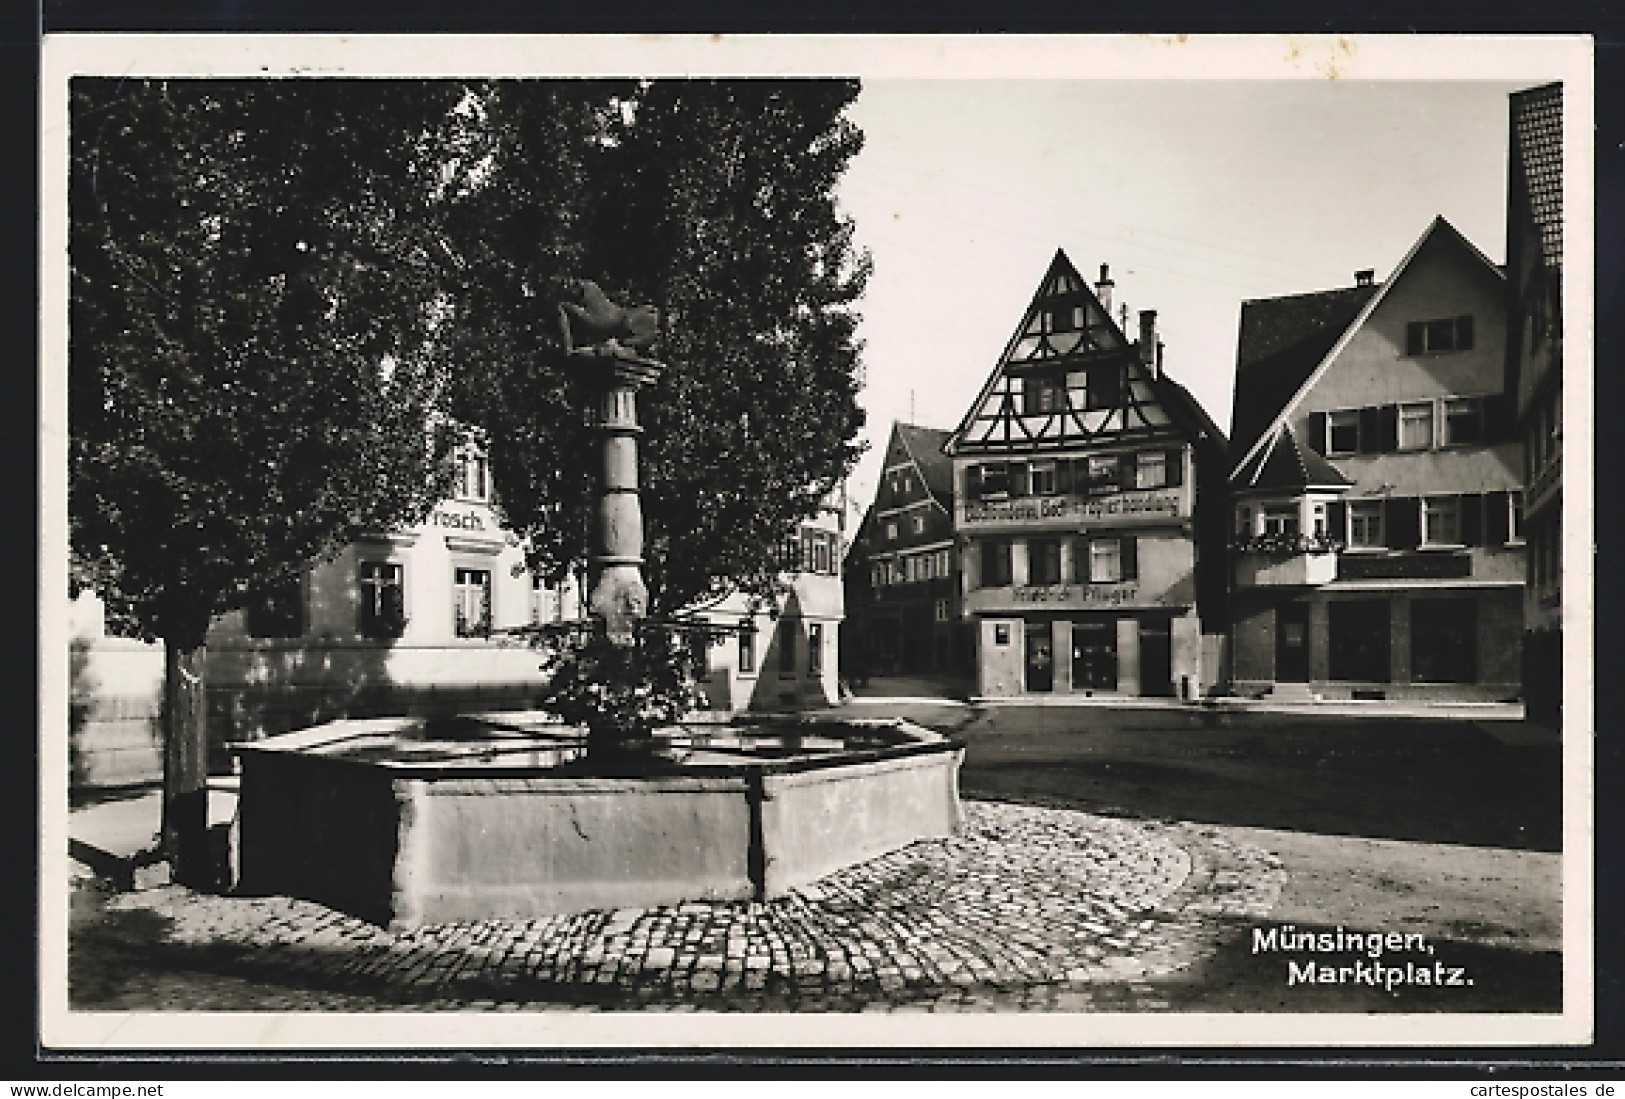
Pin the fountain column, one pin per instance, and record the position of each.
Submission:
(619, 596)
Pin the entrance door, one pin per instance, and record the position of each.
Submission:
(1040, 658)
(1292, 643)
(1156, 658)
(1094, 655)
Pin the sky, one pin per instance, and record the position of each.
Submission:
(1198, 194)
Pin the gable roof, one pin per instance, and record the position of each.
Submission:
(1286, 463)
(1271, 395)
(924, 445)
(1282, 341)
(1185, 410)
(1537, 157)
(1061, 279)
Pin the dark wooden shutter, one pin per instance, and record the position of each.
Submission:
(1176, 468)
(1131, 557)
(1472, 520)
(1371, 430)
(973, 482)
(1317, 432)
(1337, 520)
(1063, 476)
(1080, 561)
(1388, 434)
(1500, 418)
(1415, 337)
(1464, 333)
(1125, 472)
(1496, 524)
(1019, 485)
(1402, 522)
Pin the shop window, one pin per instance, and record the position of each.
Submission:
(747, 647)
(1416, 426)
(1444, 640)
(1446, 334)
(1441, 521)
(1044, 561)
(1094, 654)
(1358, 640)
(1365, 525)
(996, 567)
(1463, 421)
(382, 613)
(472, 602)
(815, 648)
(279, 611)
(1343, 431)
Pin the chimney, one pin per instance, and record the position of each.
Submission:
(1148, 338)
(1103, 289)
(1365, 278)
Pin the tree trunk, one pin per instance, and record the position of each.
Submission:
(186, 767)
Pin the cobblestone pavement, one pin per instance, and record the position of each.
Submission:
(1029, 908)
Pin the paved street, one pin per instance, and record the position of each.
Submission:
(1079, 883)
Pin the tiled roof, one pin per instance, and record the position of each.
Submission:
(1287, 463)
(1537, 149)
(925, 444)
(1186, 411)
(1282, 341)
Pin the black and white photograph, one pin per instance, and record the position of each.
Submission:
(661, 543)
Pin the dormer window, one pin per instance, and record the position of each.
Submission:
(473, 472)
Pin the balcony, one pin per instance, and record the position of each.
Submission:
(1285, 561)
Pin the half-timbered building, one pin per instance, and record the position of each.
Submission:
(1089, 508)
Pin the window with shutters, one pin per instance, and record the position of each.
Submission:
(1441, 521)
(382, 613)
(1416, 426)
(1044, 561)
(1432, 337)
(1463, 421)
(1151, 469)
(1365, 525)
(1343, 431)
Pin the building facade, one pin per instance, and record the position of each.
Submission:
(1535, 378)
(1377, 514)
(414, 622)
(1089, 509)
(902, 575)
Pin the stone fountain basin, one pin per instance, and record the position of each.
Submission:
(405, 823)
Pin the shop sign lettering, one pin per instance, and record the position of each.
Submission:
(468, 520)
(1108, 594)
(1121, 506)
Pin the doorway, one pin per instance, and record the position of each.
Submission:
(1094, 655)
(1292, 643)
(1156, 658)
(1040, 657)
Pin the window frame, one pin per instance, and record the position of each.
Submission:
(1371, 512)
(1515, 532)
(1350, 418)
(1446, 505)
(1476, 404)
(1432, 411)
(1154, 459)
(747, 647)
(1116, 544)
(459, 591)
(372, 620)
(1287, 511)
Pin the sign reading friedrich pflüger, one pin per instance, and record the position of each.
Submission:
(1114, 595)
(1120, 507)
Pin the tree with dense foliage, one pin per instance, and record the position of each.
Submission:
(256, 296)
(713, 201)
